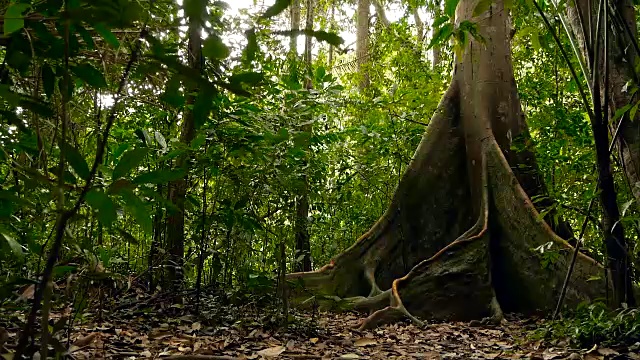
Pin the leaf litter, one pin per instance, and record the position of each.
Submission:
(149, 328)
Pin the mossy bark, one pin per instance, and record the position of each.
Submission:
(457, 241)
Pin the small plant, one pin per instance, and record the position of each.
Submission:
(593, 324)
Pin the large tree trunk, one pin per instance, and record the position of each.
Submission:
(461, 225)
(178, 188)
(620, 59)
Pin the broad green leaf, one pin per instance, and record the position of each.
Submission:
(195, 9)
(442, 35)
(172, 94)
(321, 35)
(143, 135)
(620, 112)
(534, 36)
(202, 107)
(249, 53)
(328, 37)
(633, 111)
(275, 9)
(160, 139)
(128, 161)
(249, 78)
(440, 20)
(481, 7)
(107, 35)
(76, 160)
(103, 205)
(13, 244)
(214, 48)
(450, 7)
(13, 18)
(90, 75)
(120, 184)
(160, 176)
(128, 237)
(48, 80)
(136, 207)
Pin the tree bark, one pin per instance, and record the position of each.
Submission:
(582, 15)
(178, 188)
(362, 43)
(303, 245)
(461, 224)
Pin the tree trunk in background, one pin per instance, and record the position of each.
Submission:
(419, 29)
(382, 14)
(303, 245)
(362, 43)
(461, 224)
(621, 57)
(294, 16)
(332, 29)
(178, 188)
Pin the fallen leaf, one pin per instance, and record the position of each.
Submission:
(350, 356)
(272, 351)
(314, 340)
(365, 342)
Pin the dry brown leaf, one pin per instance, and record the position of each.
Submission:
(86, 340)
(350, 356)
(365, 342)
(314, 340)
(607, 352)
(272, 351)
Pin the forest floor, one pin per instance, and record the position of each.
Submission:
(143, 327)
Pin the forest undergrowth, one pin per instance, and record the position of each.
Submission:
(130, 323)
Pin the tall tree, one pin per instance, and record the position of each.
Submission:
(362, 43)
(195, 11)
(461, 223)
(303, 245)
(606, 38)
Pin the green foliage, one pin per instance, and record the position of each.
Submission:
(593, 324)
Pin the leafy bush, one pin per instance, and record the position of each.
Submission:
(595, 324)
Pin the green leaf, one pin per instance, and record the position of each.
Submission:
(136, 207)
(202, 106)
(450, 7)
(128, 237)
(440, 20)
(76, 160)
(275, 9)
(143, 135)
(620, 112)
(442, 35)
(250, 50)
(160, 139)
(160, 176)
(534, 36)
(90, 75)
(13, 18)
(633, 111)
(103, 205)
(48, 80)
(13, 244)
(128, 161)
(329, 37)
(214, 48)
(107, 35)
(481, 7)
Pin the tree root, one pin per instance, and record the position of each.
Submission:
(430, 271)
